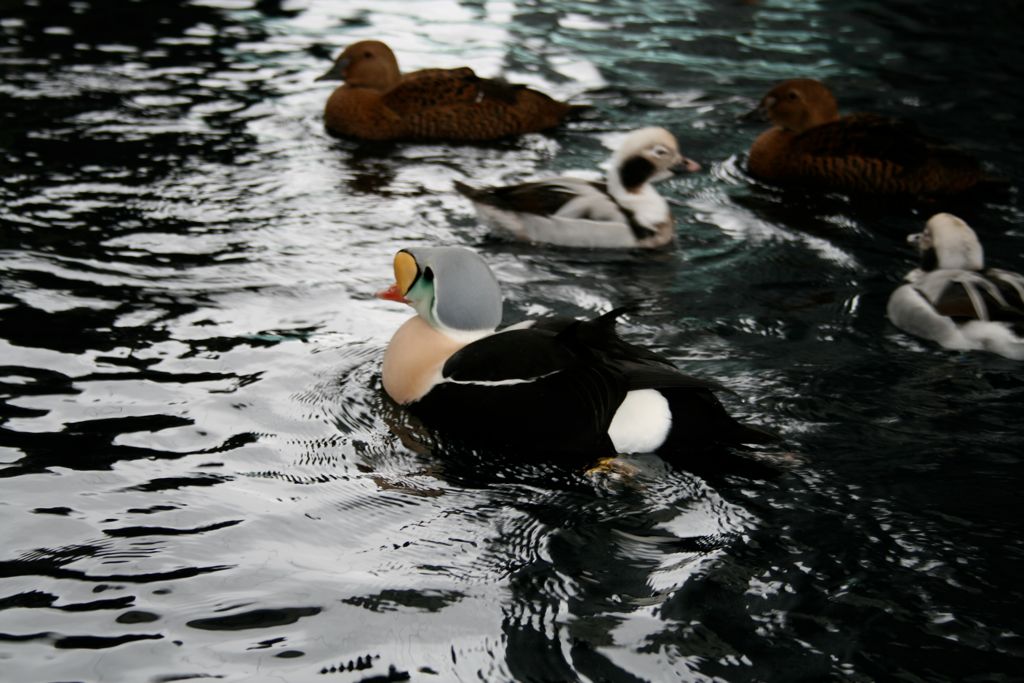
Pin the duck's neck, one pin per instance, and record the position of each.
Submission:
(649, 208)
(826, 113)
(964, 257)
(768, 157)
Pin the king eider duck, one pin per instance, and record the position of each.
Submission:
(559, 387)
(378, 102)
(953, 299)
(623, 212)
(811, 146)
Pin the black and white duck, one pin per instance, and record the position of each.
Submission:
(564, 387)
(623, 212)
(953, 299)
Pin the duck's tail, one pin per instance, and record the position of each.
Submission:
(993, 336)
(754, 434)
(579, 110)
(469, 191)
(992, 187)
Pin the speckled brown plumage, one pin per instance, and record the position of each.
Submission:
(811, 146)
(377, 102)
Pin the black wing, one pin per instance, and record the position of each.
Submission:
(1011, 286)
(644, 368)
(539, 197)
(525, 354)
(977, 298)
(699, 420)
(542, 398)
(553, 389)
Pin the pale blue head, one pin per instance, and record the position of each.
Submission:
(452, 288)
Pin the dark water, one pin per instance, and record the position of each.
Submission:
(199, 480)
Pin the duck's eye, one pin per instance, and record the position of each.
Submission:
(368, 55)
(792, 95)
(660, 151)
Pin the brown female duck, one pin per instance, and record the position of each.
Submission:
(378, 102)
(810, 145)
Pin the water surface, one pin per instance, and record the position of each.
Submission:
(200, 476)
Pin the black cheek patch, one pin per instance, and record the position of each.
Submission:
(635, 172)
(929, 260)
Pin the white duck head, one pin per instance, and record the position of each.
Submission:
(646, 155)
(451, 288)
(948, 243)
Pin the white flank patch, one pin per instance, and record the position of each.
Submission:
(642, 422)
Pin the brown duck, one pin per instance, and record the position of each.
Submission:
(810, 145)
(378, 102)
